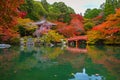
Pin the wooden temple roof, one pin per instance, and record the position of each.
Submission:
(77, 38)
(44, 22)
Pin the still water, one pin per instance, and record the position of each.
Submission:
(60, 63)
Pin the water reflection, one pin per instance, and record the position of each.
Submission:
(84, 76)
(76, 50)
(56, 63)
(109, 56)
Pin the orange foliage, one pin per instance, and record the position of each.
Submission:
(60, 25)
(8, 33)
(8, 16)
(68, 31)
(111, 26)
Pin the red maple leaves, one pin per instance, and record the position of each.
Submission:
(74, 28)
(8, 16)
(111, 26)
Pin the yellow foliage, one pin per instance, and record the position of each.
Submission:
(55, 53)
(111, 17)
(96, 35)
(52, 36)
(26, 23)
(117, 13)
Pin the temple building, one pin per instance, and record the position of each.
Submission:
(43, 27)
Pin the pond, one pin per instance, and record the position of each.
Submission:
(60, 63)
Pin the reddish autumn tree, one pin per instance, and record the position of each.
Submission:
(22, 14)
(110, 29)
(77, 23)
(74, 28)
(60, 25)
(68, 31)
(8, 15)
(77, 16)
(112, 24)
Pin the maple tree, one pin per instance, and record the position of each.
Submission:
(77, 22)
(110, 29)
(8, 15)
(74, 28)
(68, 31)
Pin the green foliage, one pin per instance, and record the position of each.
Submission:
(54, 13)
(119, 3)
(22, 30)
(14, 41)
(92, 13)
(110, 7)
(25, 27)
(67, 18)
(61, 12)
(45, 4)
(34, 9)
(61, 6)
(40, 9)
(88, 25)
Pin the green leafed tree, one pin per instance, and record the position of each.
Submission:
(63, 10)
(45, 4)
(37, 9)
(92, 13)
(34, 9)
(109, 8)
(89, 25)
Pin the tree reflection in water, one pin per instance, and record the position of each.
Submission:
(55, 63)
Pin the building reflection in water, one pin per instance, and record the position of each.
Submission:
(79, 49)
(84, 76)
(76, 50)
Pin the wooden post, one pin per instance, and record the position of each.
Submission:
(76, 44)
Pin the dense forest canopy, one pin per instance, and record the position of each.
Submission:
(15, 16)
(36, 9)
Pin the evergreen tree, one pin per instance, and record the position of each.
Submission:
(45, 4)
(119, 3)
(92, 13)
(34, 9)
(109, 7)
(115, 3)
